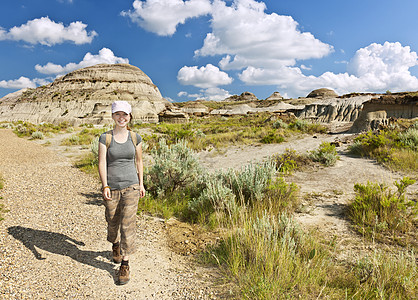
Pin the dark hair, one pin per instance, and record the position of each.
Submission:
(130, 122)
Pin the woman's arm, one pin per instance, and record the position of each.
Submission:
(140, 169)
(103, 172)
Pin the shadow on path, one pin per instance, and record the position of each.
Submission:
(93, 198)
(60, 244)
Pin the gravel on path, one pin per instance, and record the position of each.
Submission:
(53, 237)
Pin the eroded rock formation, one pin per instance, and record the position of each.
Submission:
(275, 96)
(322, 93)
(334, 109)
(246, 96)
(85, 96)
(379, 111)
(195, 108)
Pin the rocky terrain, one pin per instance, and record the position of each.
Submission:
(85, 96)
(381, 111)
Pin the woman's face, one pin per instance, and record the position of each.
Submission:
(121, 119)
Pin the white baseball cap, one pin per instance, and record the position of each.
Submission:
(121, 106)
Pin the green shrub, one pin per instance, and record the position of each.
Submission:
(280, 124)
(37, 135)
(409, 138)
(254, 187)
(216, 197)
(6, 125)
(271, 258)
(307, 127)
(175, 168)
(281, 197)
(403, 159)
(272, 137)
(24, 129)
(250, 182)
(377, 209)
(84, 137)
(87, 164)
(356, 148)
(395, 148)
(289, 161)
(94, 148)
(387, 276)
(199, 133)
(301, 125)
(326, 154)
(74, 140)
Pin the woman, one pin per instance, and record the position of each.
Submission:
(121, 174)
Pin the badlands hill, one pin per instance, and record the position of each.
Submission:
(84, 96)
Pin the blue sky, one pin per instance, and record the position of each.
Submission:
(211, 49)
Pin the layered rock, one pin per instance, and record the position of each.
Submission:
(243, 109)
(275, 96)
(334, 109)
(246, 96)
(173, 115)
(322, 93)
(380, 111)
(195, 108)
(85, 96)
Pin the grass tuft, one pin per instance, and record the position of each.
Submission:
(395, 147)
(326, 154)
(379, 212)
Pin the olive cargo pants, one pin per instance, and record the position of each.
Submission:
(121, 218)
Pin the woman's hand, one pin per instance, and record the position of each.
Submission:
(141, 191)
(107, 195)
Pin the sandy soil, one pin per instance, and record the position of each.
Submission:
(53, 237)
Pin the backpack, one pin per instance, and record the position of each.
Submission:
(109, 135)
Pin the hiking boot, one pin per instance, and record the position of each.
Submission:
(123, 274)
(117, 258)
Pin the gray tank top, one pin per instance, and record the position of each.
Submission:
(120, 158)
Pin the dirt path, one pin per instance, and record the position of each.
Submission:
(52, 240)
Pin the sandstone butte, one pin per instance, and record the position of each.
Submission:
(85, 96)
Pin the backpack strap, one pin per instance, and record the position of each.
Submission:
(109, 135)
(133, 138)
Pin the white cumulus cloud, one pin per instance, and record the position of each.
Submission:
(105, 56)
(204, 77)
(182, 94)
(213, 94)
(44, 31)
(163, 16)
(22, 82)
(248, 36)
(375, 68)
(380, 59)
